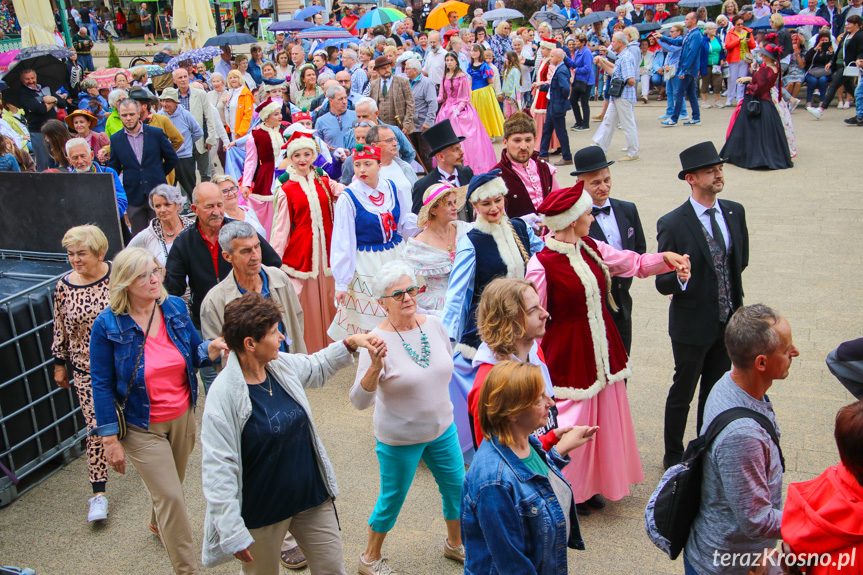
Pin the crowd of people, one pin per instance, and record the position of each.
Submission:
(286, 210)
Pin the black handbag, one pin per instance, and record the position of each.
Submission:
(119, 407)
(753, 108)
(615, 88)
(579, 86)
(818, 72)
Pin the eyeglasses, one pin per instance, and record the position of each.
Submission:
(145, 277)
(362, 125)
(388, 141)
(399, 295)
(232, 191)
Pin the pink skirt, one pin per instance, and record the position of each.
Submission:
(610, 463)
(539, 117)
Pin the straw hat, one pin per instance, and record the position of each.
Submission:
(434, 194)
(84, 114)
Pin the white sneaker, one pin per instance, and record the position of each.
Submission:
(98, 508)
(379, 567)
(706, 106)
(718, 105)
(817, 112)
(793, 103)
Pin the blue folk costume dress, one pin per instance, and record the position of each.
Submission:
(368, 232)
(487, 252)
(483, 98)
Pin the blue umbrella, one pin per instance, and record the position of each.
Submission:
(399, 3)
(762, 23)
(553, 19)
(324, 33)
(230, 39)
(289, 26)
(337, 42)
(194, 56)
(308, 12)
(154, 70)
(502, 14)
(698, 3)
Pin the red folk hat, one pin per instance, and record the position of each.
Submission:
(549, 43)
(562, 207)
(367, 153)
(266, 108)
(301, 115)
(298, 141)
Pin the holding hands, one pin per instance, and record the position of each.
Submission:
(680, 263)
(573, 437)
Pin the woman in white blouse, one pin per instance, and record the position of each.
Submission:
(231, 190)
(371, 219)
(414, 418)
(158, 237)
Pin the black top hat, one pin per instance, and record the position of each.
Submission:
(440, 137)
(589, 159)
(699, 156)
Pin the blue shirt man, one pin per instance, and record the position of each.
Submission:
(687, 71)
(335, 124)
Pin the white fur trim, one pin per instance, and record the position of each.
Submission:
(268, 109)
(465, 350)
(593, 294)
(549, 45)
(506, 246)
(561, 221)
(496, 187)
(276, 138)
(307, 143)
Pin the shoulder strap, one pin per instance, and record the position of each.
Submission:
(723, 419)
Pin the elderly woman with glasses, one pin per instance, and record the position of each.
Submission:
(143, 354)
(265, 469)
(231, 191)
(158, 237)
(408, 385)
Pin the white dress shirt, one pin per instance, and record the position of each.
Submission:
(704, 218)
(446, 177)
(608, 223)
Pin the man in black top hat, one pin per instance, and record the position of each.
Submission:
(446, 149)
(616, 223)
(713, 233)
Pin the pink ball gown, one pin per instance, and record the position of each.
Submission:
(454, 99)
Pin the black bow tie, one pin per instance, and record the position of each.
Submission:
(596, 211)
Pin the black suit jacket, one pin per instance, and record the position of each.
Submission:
(693, 317)
(435, 177)
(632, 239)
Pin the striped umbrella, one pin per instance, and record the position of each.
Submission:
(324, 33)
(380, 17)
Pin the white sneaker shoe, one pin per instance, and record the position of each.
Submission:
(379, 567)
(98, 508)
(706, 106)
(817, 112)
(793, 103)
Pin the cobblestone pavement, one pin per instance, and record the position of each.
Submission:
(804, 226)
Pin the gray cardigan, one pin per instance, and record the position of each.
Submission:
(226, 412)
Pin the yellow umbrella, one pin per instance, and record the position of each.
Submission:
(437, 18)
(37, 22)
(194, 23)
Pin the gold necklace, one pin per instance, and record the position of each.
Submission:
(443, 239)
(270, 390)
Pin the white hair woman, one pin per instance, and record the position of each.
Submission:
(431, 253)
(143, 354)
(158, 237)
(264, 465)
(413, 414)
(78, 299)
(231, 190)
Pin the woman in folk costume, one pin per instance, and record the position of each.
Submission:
(302, 120)
(482, 95)
(302, 235)
(262, 149)
(544, 73)
(371, 220)
(583, 350)
(496, 247)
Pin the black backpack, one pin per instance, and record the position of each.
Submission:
(674, 504)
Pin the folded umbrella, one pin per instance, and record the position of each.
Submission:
(595, 17)
(231, 39)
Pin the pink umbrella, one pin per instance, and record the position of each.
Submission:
(105, 76)
(6, 59)
(805, 20)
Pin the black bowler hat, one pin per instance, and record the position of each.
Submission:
(440, 137)
(589, 159)
(699, 156)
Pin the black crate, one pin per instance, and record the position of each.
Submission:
(41, 425)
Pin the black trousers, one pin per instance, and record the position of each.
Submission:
(836, 81)
(580, 102)
(556, 124)
(624, 328)
(185, 174)
(691, 363)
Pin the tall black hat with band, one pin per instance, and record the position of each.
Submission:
(440, 137)
(699, 156)
(589, 159)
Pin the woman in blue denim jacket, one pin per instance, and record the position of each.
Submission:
(517, 509)
(146, 338)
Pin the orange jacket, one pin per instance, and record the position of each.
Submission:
(732, 45)
(825, 516)
(245, 107)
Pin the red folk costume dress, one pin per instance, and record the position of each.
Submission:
(302, 233)
(585, 355)
(262, 149)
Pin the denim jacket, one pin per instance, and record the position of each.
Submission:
(511, 521)
(114, 345)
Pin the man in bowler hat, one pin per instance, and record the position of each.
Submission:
(446, 148)
(713, 233)
(616, 223)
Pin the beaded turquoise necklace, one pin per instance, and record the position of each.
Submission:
(422, 358)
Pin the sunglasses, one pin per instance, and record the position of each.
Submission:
(412, 291)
